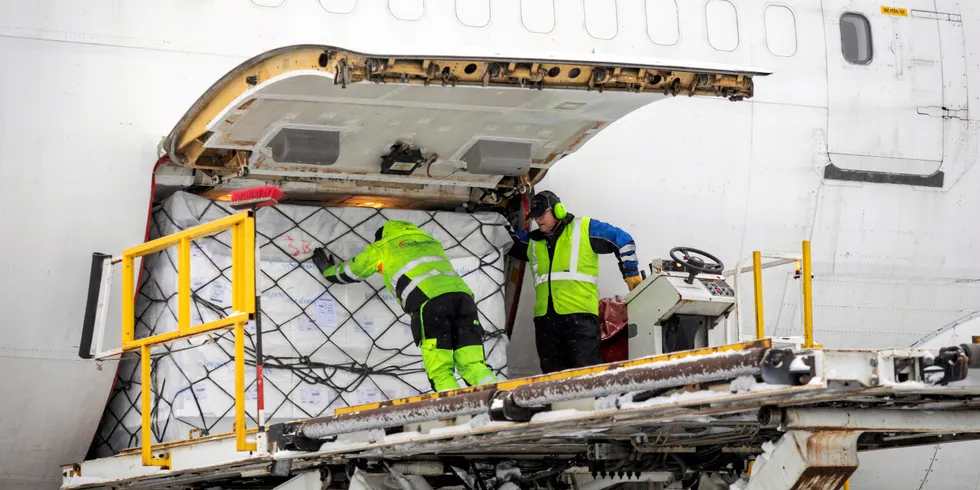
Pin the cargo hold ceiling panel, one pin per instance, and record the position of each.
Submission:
(322, 114)
(359, 125)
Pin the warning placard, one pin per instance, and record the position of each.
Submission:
(895, 11)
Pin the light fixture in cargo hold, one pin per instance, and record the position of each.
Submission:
(305, 146)
(492, 157)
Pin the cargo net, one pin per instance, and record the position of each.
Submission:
(324, 345)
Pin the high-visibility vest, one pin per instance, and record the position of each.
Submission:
(572, 278)
(413, 264)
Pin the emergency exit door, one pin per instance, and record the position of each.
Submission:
(885, 87)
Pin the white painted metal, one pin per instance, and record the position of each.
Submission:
(368, 116)
(830, 456)
(304, 481)
(383, 481)
(102, 308)
(888, 129)
(97, 84)
(663, 295)
(882, 420)
(218, 452)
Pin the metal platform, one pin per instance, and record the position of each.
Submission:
(616, 418)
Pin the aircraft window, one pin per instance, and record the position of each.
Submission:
(338, 6)
(407, 9)
(662, 25)
(538, 16)
(855, 39)
(780, 30)
(601, 18)
(722, 20)
(473, 13)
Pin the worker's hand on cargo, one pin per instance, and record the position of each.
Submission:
(633, 281)
(322, 260)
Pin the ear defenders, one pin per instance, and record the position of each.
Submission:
(549, 199)
(558, 209)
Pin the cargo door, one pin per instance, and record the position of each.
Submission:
(885, 81)
(347, 128)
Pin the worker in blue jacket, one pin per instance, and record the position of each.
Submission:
(564, 256)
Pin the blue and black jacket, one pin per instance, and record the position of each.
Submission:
(603, 237)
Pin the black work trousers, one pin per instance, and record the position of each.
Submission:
(567, 341)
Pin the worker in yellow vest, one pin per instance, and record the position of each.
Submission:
(445, 318)
(564, 256)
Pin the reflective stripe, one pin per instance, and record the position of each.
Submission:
(576, 244)
(567, 276)
(627, 249)
(415, 283)
(336, 274)
(573, 256)
(411, 265)
(534, 258)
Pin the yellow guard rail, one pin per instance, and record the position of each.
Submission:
(242, 227)
(780, 259)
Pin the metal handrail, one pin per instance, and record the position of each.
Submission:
(756, 268)
(242, 226)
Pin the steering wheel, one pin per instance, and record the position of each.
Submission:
(696, 264)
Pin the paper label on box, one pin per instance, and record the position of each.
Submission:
(218, 291)
(200, 391)
(325, 312)
(304, 324)
(311, 396)
(407, 328)
(251, 393)
(368, 395)
(367, 323)
(197, 280)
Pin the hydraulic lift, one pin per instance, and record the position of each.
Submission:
(679, 412)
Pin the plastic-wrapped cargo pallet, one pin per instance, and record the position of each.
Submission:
(325, 346)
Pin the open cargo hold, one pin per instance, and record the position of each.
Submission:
(324, 346)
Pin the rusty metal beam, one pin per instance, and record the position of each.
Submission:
(679, 372)
(808, 460)
(398, 415)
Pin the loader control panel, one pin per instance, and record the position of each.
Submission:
(717, 287)
(677, 307)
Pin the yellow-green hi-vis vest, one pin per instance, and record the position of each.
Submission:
(572, 278)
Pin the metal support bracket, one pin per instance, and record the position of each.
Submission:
(814, 460)
(304, 481)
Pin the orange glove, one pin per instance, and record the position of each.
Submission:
(633, 281)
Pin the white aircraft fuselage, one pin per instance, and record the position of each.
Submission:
(861, 139)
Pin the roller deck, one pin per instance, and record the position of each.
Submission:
(709, 409)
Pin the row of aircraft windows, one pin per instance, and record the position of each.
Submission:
(601, 22)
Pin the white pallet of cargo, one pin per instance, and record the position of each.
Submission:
(325, 346)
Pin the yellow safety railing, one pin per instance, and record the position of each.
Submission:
(242, 226)
(807, 296)
(781, 259)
